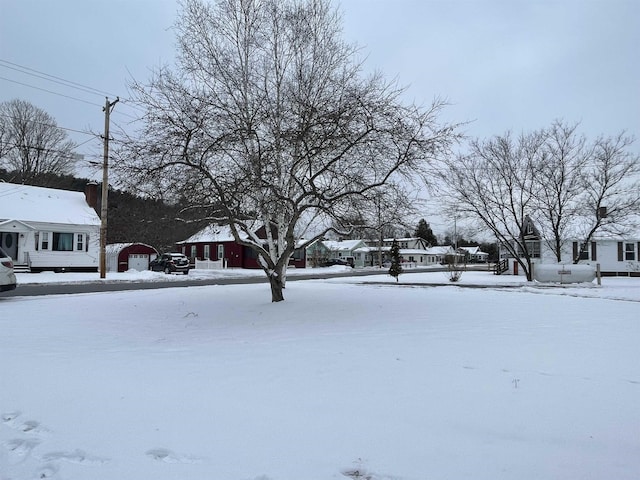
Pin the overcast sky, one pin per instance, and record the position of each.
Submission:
(503, 65)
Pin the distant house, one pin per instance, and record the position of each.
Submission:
(474, 254)
(216, 242)
(413, 243)
(343, 249)
(50, 229)
(121, 257)
(437, 255)
(616, 255)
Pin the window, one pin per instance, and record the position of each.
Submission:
(220, 252)
(207, 252)
(193, 251)
(629, 251)
(80, 241)
(581, 251)
(45, 240)
(62, 242)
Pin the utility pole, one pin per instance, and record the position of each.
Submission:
(105, 188)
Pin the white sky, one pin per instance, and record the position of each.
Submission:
(503, 64)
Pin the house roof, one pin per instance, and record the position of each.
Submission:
(342, 245)
(212, 233)
(439, 250)
(473, 250)
(114, 248)
(38, 204)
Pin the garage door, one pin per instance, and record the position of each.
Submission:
(139, 261)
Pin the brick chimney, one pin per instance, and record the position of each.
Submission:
(91, 194)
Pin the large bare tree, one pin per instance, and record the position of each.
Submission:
(267, 117)
(31, 143)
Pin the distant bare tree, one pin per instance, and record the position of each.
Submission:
(611, 185)
(31, 143)
(562, 173)
(548, 186)
(494, 184)
(381, 213)
(267, 116)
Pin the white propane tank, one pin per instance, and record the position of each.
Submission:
(563, 273)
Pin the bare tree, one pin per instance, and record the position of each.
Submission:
(31, 143)
(268, 117)
(611, 191)
(381, 213)
(494, 184)
(549, 186)
(561, 170)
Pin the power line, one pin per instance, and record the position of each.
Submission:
(50, 91)
(53, 78)
(65, 154)
(59, 80)
(51, 125)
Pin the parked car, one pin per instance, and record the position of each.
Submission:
(170, 263)
(337, 261)
(7, 276)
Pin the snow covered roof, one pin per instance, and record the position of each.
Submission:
(439, 250)
(212, 233)
(114, 248)
(38, 204)
(473, 250)
(342, 245)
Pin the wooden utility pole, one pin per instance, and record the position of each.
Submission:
(105, 188)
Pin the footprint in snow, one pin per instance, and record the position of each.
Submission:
(167, 456)
(47, 471)
(77, 456)
(31, 427)
(19, 449)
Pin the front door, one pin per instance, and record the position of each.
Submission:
(9, 243)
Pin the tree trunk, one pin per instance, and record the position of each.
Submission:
(275, 280)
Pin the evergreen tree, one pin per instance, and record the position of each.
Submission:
(396, 268)
(423, 230)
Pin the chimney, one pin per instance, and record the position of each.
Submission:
(91, 194)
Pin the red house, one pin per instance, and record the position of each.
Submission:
(216, 242)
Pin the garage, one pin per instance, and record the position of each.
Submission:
(121, 257)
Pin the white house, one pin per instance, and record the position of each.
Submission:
(344, 249)
(475, 255)
(615, 255)
(49, 229)
(413, 243)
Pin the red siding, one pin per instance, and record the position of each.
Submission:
(123, 256)
(237, 256)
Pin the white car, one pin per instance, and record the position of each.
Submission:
(7, 277)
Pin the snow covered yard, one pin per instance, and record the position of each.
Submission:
(342, 380)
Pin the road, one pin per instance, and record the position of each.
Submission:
(28, 290)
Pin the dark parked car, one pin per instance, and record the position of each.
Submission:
(170, 263)
(337, 261)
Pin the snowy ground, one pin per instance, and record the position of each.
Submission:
(348, 378)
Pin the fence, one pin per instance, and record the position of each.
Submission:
(211, 264)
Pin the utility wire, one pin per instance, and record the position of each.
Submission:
(64, 153)
(50, 91)
(53, 78)
(64, 82)
(51, 125)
